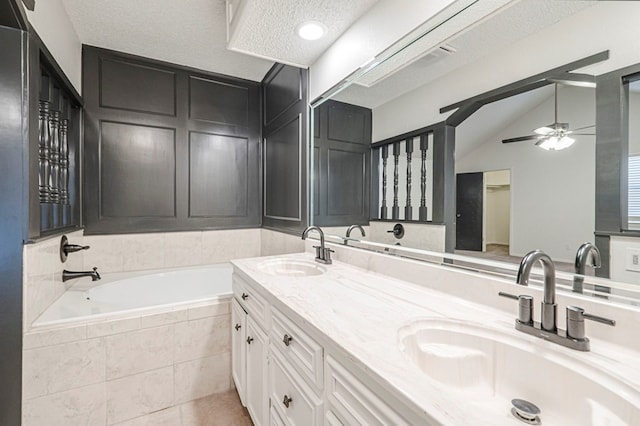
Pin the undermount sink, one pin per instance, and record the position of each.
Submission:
(291, 268)
(488, 368)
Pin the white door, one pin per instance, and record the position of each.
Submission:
(238, 348)
(256, 380)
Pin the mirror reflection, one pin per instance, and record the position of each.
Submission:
(524, 167)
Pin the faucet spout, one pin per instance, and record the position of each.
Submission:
(549, 307)
(305, 233)
(323, 254)
(352, 227)
(586, 252)
(70, 275)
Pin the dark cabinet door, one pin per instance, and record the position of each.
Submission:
(469, 202)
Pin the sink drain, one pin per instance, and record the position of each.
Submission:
(525, 411)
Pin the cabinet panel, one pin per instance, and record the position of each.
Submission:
(257, 400)
(354, 402)
(299, 349)
(346, 185)
(295, 401)
(238, 342)
(282, 90)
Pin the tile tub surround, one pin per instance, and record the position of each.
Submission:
(42, 279)
(113, 371)
(358, 311)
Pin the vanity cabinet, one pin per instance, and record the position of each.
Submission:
(250, 346)
(291, 375)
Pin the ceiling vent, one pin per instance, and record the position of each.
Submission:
(412, 54)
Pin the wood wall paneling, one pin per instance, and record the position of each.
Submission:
(342, 164)
(286, 139)
(218, 175)
(282, 90)
(137, 171)
(136, 87)
(214, 101)
(168, 148)
(13, 217)
(283, 166)
(346, 183)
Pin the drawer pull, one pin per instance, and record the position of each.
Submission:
(244, 296)
(286, 401)
(287, 340)
(237, 327)
(249, 340)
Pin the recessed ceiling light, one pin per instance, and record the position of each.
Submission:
(311, 30)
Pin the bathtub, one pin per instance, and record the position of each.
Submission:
(128, 293)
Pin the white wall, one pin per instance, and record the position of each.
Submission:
(573, 38)
(552, 192)
(621, 249)
(53, 25)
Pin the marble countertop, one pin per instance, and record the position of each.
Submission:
(361, 312)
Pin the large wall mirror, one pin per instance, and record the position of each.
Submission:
(518, 172)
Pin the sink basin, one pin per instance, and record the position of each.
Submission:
(488, 368)
(291, 268)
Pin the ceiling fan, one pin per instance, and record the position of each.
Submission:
(554, 136)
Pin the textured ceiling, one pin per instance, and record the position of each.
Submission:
(190, 33)
(511, 24)
(268, 28)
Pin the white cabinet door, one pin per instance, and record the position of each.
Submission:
(238, 350)
(257, 397)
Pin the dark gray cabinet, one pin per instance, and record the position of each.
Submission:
(284, 127)
(342, 164)
(168, 148)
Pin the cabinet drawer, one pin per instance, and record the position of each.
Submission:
(299, 349)
(294, 401)
(353, 402)
(250, 299)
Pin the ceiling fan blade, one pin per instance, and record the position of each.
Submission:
(583, 134)
(582, 128)
(521, 139)
(546, 130)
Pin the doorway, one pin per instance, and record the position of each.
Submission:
(483, 212)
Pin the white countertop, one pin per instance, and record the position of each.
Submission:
(361, 312)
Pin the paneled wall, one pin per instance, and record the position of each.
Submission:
(13, 216)
(284, 121)
(168, 148)
(341, 164)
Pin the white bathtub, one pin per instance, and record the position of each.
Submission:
(127, 293)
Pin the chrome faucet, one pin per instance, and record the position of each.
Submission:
(351, 228)
(323, 254)
(574, 336)
(70, 275)
(549, 272)
(586, 252)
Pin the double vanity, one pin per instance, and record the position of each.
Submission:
(350, 343)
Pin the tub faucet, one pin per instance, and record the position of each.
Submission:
(586, 252)
(70, 275)
(574, 336)
(323, 254)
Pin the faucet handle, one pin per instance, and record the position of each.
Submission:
(525, 306)
(575, 321)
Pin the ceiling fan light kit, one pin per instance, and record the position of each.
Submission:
(554, 136)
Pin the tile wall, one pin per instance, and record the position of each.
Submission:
(119, 371)
(113, 371)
